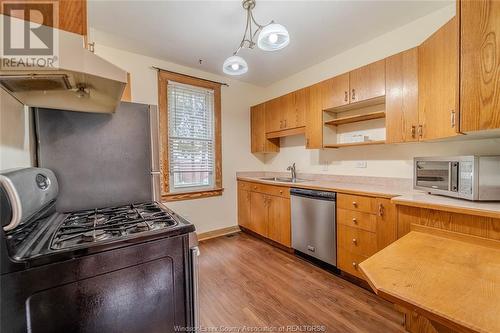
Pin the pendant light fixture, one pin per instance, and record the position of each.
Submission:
(270, 37)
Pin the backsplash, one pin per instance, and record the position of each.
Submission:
(394, 160)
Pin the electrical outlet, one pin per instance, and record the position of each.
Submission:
(360, 164)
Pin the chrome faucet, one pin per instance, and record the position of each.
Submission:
(291, 168)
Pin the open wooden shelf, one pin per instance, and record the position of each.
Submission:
(357, 105)
(356, 118)
(354, 144)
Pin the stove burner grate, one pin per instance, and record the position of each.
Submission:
(97, 225)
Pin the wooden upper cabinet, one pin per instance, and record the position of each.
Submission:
(314, 118)
(287, 111)
(335, 91)
(480, 65)
(401, 100)
(274, 119)
(72, 15)
(259, 142)
(438, 83)
(297, 116)
(367, 82)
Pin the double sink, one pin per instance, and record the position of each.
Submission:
(283, 179)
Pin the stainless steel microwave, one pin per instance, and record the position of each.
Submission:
(467, 177)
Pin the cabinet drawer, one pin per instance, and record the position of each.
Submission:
(242, 185)
(349, 262)
(356, 240)
(355, 219)
(357, 202)
(279, 191)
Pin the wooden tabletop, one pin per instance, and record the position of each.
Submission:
(449, 278)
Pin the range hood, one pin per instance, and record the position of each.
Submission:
(78, 81)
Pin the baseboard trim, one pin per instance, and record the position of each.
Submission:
(218, 233)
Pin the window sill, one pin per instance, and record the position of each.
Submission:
(178, 196)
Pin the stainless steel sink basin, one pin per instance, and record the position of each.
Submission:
(283, 179)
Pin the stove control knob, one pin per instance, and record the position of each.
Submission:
(42, 181)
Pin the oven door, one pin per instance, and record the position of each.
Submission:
(440, 177)
(138, 288)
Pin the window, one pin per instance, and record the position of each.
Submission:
(190, 137)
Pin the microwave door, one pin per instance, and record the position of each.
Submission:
(433, 175)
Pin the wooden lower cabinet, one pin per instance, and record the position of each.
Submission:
(365, 225)
(244, 208)
(265, 210)
(259, 213)
(279, 225)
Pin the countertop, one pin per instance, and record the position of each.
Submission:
(326, 185)
(397, 189)
(450, 279)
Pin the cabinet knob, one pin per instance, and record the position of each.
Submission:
(354, 241)
(354, 220)
(354, 264)
(355, 204)
(281, 191)
(255, 187)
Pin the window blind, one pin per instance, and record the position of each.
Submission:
(191, 135)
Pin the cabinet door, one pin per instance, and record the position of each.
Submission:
(72, 14)
(401, 101)
(438, 83)
(258, 213)
(279, 220)
(244, 208)
(288, 111)
(297, 118)
(480, 65)
(259, 142)
(274, 120)
(314, 119)
(367, 82)
(387, 223)
(335, 91)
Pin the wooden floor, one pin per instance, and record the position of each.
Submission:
(247, 282)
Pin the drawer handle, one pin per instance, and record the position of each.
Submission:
(354, 241)
(354, 264)
(354, 220)
(355, 204)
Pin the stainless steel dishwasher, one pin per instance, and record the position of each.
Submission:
(314, 224)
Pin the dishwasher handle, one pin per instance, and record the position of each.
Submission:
(321, 195)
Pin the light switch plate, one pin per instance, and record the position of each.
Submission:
(361, 164)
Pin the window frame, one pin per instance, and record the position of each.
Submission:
(197, 193)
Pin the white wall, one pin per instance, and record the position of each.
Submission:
(382, 160)
(14, 133)
(211, 213)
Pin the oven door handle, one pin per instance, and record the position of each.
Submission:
(195, 253)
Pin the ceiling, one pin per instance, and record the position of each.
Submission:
(186, 31)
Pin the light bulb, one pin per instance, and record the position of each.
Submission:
(235, 67)
(273, 38)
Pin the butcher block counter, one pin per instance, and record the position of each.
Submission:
(450, 279)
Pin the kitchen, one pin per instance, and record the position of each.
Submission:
(369, 122)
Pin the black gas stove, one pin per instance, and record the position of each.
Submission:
(83, 228)
(128, 265)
